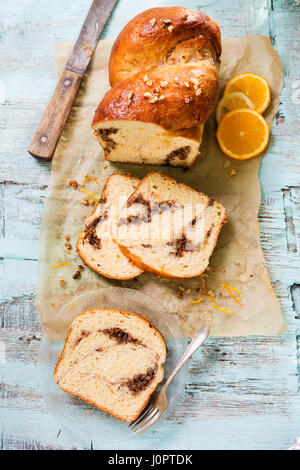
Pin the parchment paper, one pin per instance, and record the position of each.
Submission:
(237, 259)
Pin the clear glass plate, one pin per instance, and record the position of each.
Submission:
(82, 419)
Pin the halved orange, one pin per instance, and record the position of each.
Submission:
(254, 86)
(232, 101)
(243, 133)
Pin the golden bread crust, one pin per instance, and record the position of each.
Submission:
(163, 69)
(140, 45)
(178, 105)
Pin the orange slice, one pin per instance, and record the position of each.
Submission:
(243, 133)
(232, 101)
(255, 87)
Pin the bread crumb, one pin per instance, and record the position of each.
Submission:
(198, 91)
(227, 164)
(62, 282)
(153, 21)
(195, 81)
(147, 94)
(162, 97)
(67, 237)
(68, 245)
(85, 201)
(181, 288)
(104, 165)
(170, 28)
(163, 83)
(187, 84)
(149, 83)
(73, 183)
(76, 275)
(233, 172)
(188, 291)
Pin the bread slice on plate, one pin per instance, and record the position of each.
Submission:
(95, 245)
(112, 359)
(168, 228)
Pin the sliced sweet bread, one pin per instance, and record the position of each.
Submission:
(168, 228)
(95, 245)
(112, 359)
(148, 143)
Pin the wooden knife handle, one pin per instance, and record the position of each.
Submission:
(48, 132)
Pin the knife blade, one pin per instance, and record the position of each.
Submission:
(51, 125)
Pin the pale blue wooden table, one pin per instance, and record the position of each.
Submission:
(246, 395)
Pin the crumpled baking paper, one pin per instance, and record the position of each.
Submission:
(237, 259)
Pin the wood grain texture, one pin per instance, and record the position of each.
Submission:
(242, 392)
(51, 125)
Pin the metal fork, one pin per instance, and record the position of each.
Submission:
(158, 401)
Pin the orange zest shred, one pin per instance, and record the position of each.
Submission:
(196, 301)
(90, 178)
(230, 287)
(89, 48)
(60, 265)
(206, 292)
(233, 296)
(222, 309)
(204, 287)
(90, 194)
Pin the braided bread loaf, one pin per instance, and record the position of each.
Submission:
(163, 70)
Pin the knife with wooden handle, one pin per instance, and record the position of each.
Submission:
(49, 130)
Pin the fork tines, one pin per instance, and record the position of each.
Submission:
(148, 416)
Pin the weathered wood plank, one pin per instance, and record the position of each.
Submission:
(23, 205)
(227, 382)
(20, 313)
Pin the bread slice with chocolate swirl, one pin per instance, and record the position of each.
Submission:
(168, 228)
(95, 245)
(112, 359)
